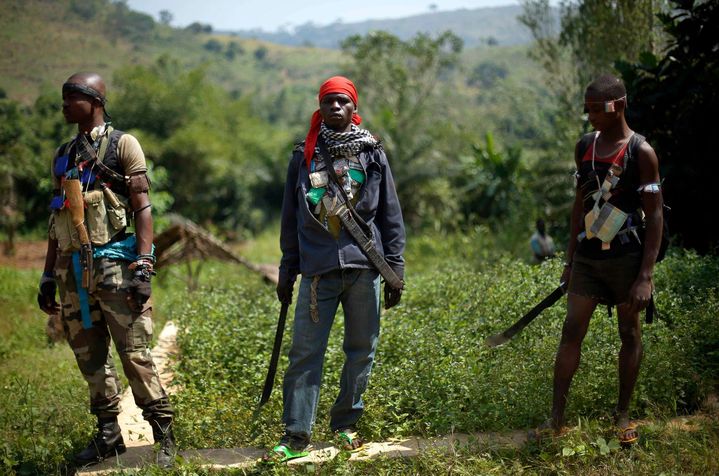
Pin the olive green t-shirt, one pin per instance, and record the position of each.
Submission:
(129, 153)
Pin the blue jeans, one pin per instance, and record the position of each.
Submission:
(358, 291)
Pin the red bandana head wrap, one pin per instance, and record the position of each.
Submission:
(334, 85)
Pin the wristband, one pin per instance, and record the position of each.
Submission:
(46, 279)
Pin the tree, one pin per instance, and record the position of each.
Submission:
(486, 74)
(27, 138)
(406, 87)
(573, 43)
(218, 157)
(213, 45)
(197, 27)
(261, 53)
(13, 152)
(673, 100)
(166, 17)
(489, 181)
(594, 33)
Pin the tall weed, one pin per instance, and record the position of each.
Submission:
(433, 374)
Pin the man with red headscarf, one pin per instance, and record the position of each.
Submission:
(333, 266)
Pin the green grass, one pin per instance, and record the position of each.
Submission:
(433, 376)
(42, 394)
(44, 416)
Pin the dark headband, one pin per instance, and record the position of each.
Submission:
(81, 88)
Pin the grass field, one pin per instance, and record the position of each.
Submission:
(433, 375)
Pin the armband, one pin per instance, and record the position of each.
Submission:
(138, 183)
(142, 208)
(654, 187)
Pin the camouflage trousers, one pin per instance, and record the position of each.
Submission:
(112, 319)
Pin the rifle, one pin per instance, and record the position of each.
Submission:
(272, 371)
(503, 337)
(73, 192)
(355, 225)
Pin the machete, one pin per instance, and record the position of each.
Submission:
(503, 337)
(270, 379)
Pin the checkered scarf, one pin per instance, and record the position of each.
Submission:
(346, 144)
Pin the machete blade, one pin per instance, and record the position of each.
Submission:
(277, 345)
(504, 336)
(496, 340)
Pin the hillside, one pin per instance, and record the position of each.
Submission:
(103, 36)
(480, 26)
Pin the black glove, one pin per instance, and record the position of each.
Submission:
(46, 294)
(140, 287)
(285, 283)
(392, 295)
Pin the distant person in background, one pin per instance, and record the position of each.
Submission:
(616, 230)
(102, 271)
(338, 162)
(542, 244)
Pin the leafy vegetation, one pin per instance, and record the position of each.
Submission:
(464, 386)
(217, 114)
(42, 395)
(479, 146)
(455, 300)
(673, 101)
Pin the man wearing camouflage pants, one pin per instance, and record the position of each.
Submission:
(102, 271)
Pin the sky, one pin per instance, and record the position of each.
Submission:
(271, 15)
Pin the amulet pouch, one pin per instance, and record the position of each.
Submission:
(608, 222)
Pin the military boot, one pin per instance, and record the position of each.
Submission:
(164, 441)
(106, 442)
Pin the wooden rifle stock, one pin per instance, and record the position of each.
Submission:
(73, 192)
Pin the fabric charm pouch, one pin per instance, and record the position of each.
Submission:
(589, 220)
(608, 223)
(315, 195)
(318, 179)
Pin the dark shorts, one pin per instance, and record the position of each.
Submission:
(606, 280)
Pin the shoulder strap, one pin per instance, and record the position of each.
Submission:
(64, 148)
(632, 151)
(635, 142)
(104, 143)
(324, 153)
(89, 153)
(585, 142)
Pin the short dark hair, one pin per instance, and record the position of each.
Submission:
(606, 87)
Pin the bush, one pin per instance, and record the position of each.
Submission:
(433, 374)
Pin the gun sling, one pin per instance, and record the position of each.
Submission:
(355, 225)
(88, 154)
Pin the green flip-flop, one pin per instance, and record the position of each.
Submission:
(282, 453)
(349, 440)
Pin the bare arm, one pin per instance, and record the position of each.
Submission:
(140, 203)
(574, 223)
(50, 256)
(652, 207)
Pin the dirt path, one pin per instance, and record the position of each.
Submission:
(135, 430)
(28, 255)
